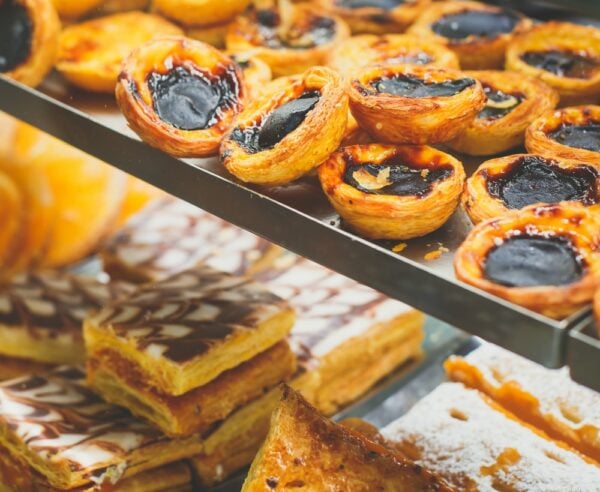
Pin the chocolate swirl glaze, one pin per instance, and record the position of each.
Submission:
(185, 315)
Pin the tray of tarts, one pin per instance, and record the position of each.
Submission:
(322, 160)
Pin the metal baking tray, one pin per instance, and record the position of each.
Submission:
(583, 354)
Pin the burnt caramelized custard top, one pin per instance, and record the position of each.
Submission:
(585, 136)
(393, 176)
(415, 87)
(278, 123)
(563, 63)
(533, 261)
(192, 100)
(16, 32)
(532, 179)
(498, 103)
(479, 23)
(312, 31)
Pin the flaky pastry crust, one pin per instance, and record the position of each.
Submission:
(488, 136)
(389, 216)
(370, 49)
(304, 148)
(257, 74)
(474, 52)
(559, 36)
(91, 53)
(571, 220)
(73, 9)
(538, 141)
(162, 55)
(413, 120)
(199, 12)
(213, 34)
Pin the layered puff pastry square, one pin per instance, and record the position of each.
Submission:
(474, 444)
(41, 314)
(70, 438)
(183, 332)
(170, 235)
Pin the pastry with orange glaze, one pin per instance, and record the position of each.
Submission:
(11, 218)
(91, 53)
(474, 444)
(547, 399)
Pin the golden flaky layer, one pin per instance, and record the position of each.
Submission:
(200, 12)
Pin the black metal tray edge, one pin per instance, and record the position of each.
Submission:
(583, 354)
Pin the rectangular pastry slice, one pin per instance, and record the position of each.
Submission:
(71, 438)
(347, 337)
(12, 367)
(41, 314)
(120, 382)
(170, 236)
(474, 444)
(545, 398)
(181, 333)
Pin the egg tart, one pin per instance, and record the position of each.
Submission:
(289, 39)
(213, 34)
(199, 12)
(569, 133)
(180, 95)
(29, 32)
(476, 32)
(114, 6)
(73, 9)
(414, 104)
(288, 132)
(543, 257)
(376, 16)
(516, 181)
(392, 192)
(91, 53)
(369, 49)
(565, 56)
(257, 74)
(513, 101)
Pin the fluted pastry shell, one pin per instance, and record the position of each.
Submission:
(199, 12)
(474, 52)
(571, 220)
(409, 120)
(162, 55)
(539, 142)
(304, 148)
(579, 39)
(492, 136)
(381, 216)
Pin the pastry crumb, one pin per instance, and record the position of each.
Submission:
(399, 247)
(435, 254)
(379, 125)
(424, 173)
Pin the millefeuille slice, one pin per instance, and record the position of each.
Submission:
(181, 333)
(545, 398)
(71, 438)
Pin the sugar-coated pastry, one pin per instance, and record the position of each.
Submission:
(70, 438)
(565, 56)
(90, 53)
(180, 95)
(545, 398)
(288, 131)
(516, 181)
(290, 39)
(376, 16)
(370, 49)
(303, 447)
(29, 31)
(467, 439)
(513, 101)
(403, 103)
(199, 12)
(390, 191)
(184, 331)
(73, 9)
(543, 257)
(42, 314)
(478, 33)
(170, 236)
(568, 133)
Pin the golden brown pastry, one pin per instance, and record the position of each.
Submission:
(376, 16)
(114, 6)
(199, 12)
(565, 56)
(568, 133)
(180, 95)
(369, 49)
(287, 132)
(543, 257)
(73, 9)
(478, 33)
(414, 104)
(257, 74)
(392, 192)
(29, 32)
(290, 39)
(513, 102)
(213, 34)
(516, 181)
(91, 53)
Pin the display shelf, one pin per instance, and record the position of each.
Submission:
(583, 353)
